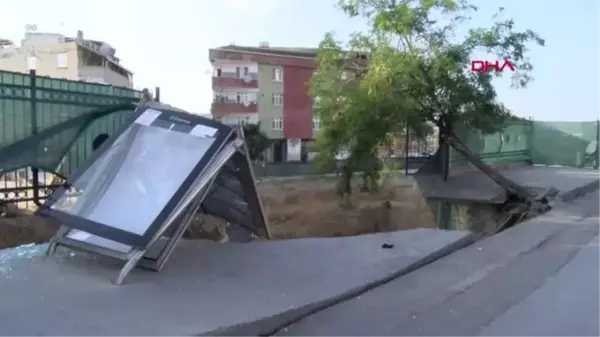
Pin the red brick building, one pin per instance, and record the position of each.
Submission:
(269, 85)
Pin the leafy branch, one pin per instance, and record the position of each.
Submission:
(409, 69)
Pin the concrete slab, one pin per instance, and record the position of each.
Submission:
(206, 287)
(466, 292)
(570, 182)
(476, 187)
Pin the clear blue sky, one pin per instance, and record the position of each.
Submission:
(166, 42)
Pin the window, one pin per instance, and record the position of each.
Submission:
(242, 97)
(237, 72)
(316, 124)
(277, 99)
(246, 72)
(277, 124)
(62, 60)
(31, 62)
(277, 75)
(219, 97)
(245, 98)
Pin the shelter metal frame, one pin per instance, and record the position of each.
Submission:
(222, 136)
(153, 248)
(180, 219)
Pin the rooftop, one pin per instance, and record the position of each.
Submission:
(282, 51)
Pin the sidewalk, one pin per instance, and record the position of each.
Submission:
(514, 283)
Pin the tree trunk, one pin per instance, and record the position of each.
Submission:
(509, 185)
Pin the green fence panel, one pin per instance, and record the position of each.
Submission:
(511, 145)
(31, 104)
(15, 107)
(565, 143)
(82, 147)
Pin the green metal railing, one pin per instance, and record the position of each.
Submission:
(49, 125)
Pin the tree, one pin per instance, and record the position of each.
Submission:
(409, 69)
(256, 141)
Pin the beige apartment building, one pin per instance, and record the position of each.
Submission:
(58, 56)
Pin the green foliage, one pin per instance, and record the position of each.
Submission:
(409, 69)
(256, 141)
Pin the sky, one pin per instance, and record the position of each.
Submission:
(165, 43)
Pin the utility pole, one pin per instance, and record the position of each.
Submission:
(32, 57)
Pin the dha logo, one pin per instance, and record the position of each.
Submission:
(178, 120)
(483, 66)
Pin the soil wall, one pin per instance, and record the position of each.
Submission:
(309, 207)
(295, 208)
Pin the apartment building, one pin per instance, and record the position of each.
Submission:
(73, 58)
(269, 85)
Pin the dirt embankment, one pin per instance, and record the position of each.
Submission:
(310, 208)
(20, 227)
(295, 208)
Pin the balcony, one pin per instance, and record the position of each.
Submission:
(104, 75)
(231, 80)
(222, 108)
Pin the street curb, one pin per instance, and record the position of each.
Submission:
(579, 191)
